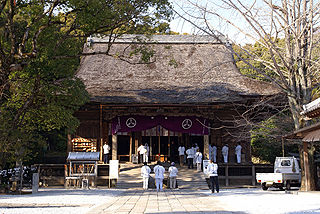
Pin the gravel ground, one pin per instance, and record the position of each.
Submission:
(242, 200)
(272, 201)
(56, 201)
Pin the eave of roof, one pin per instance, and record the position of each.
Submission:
(311, 109)
(301, 133)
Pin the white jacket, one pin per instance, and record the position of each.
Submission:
(190, 153)
(173, 171)
(198, 157)
(181, 150)
(141, 150)
(145, 171)
(212, 169)
(159, 171)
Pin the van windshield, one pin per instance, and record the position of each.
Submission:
(285, 163)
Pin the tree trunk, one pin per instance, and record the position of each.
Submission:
(307, 183)
(307, 172)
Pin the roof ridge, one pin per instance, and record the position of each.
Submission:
(161, 39)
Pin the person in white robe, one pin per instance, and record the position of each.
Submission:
(173, 172)
(145, 173)
(225, 151)
(238, 153)
(198, 158)
(159, 175)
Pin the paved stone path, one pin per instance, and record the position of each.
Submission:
(169, 201)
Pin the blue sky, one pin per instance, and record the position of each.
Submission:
(182, 26)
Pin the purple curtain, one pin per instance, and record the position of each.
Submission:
(193, 125)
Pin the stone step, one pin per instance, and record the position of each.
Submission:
(130, 177)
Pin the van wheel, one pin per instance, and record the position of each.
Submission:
(288, 185)
(264, 187)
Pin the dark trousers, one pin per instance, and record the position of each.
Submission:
(214, 182)
(105, 158)
(181, 159)
(190, 163)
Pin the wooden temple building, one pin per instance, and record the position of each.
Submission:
(309, 135)
(163, 90)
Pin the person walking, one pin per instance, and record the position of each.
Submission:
(159, 175)
(238, 153)
(173, 172)
(198, 159)
(213, 174)
(106, 150)
(224, 151)
(181, 150)
(145, 173)
(190, 153)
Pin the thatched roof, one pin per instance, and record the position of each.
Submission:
(183, 69)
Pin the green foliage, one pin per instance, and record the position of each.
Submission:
(266, 142)
(258, 56)
(40, 48)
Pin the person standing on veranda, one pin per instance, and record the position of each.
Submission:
(173, 172)
(214, 153)
(106, 150)
(213, 175)
(210, 152)
(159, 175)
(238, 153)
(225, 151)
(198, 159)
(181, 150)
(145, 173)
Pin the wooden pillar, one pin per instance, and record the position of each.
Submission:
(114, 147)
(206, 147)
(253, 171)
(159, 143)
(227, 174)
(180, 141)
(282, 142)
(306, 165)
(169, 149)
(219, 145)
(130, 148)
(69, 144)
(105, 133)
(136, 143)
(100, 141)
(150, 143)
